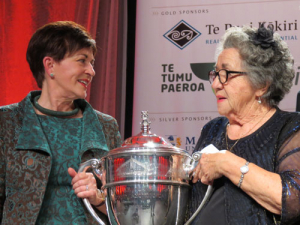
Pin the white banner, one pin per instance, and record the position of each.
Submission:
(175, 48)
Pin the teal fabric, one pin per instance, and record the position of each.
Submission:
(54, 135)
(60, 204)
(92, 138)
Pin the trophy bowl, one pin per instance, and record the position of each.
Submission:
(147, 180)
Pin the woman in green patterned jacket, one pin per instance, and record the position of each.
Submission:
(45, 137)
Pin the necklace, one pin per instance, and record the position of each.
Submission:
(242, 135)
(52, 112)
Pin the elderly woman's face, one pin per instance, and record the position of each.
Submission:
(236, 96)
(73, 74)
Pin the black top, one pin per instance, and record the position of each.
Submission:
(214, 211)
(275, 146)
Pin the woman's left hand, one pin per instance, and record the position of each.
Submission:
(85, 186)
(224, 163)
(209, 167)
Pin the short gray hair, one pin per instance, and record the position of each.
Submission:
(272, 66)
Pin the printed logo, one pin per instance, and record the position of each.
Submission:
(190, 144)
(182, 34)
(201, 69)
(175, 141)
(179, 81)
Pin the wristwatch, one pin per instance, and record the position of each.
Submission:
(244, 169)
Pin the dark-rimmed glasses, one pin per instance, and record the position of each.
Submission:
(222, 74)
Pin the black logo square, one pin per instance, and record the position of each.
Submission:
(182, 34)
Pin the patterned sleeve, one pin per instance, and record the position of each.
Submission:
(111, 130)
(288, 167)
(2, 179)
(2, 172)
(116, 135)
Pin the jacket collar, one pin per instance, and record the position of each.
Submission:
(31, 135)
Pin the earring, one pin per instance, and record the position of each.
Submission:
(51, 75)
(259, 100)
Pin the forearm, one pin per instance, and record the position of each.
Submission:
(101, 208)
(100, 202)
(263, 186)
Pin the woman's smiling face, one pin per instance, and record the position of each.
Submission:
(73, 74)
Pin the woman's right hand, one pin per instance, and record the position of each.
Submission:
(85, 186)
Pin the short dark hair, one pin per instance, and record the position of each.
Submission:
(56, 40)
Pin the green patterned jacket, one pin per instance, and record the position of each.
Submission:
(25, 157)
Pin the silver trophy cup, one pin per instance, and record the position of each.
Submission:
(147, 180)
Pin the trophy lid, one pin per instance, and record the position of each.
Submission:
(145, 140)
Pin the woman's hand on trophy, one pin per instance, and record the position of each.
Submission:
(208, 168)
(85, 186)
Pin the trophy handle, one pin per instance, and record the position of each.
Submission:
(192, 165)
(94, 164)
(206, 197)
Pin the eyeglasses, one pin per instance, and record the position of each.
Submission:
(223, 75)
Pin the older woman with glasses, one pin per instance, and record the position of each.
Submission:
(257, 177)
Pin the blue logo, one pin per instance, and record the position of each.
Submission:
(182, 34)
(175, 141)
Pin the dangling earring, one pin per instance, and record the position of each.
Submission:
(259, 100)
(51, 75)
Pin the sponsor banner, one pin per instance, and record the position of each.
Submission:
(175, 49)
